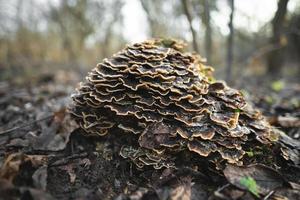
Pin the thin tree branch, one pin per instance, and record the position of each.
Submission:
(208, 32)
(230, 43)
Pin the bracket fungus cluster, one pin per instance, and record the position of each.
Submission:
(166, 100)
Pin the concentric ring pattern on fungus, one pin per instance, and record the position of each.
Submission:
(167, 99)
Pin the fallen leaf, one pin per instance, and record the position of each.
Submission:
(179, 188)
(286, 194)
(139, 194)
(11, 166)
(291, 154)
(69, 168)
(250, 184)
(183, 190)
(288, 121)
(231, 192)
(55, 136)
(258, 179)
(34, 194)
(39, 178)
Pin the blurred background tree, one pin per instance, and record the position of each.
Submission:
(278, 40)
(73, 35)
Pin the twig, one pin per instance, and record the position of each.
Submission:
(230, 43)
(65, 160)
(218, 193)
(269, 195)
(25, 125)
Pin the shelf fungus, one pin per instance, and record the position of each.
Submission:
(167, 101)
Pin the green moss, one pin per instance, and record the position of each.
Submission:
(295, 102)
(250, 153)
(211, 80)
(250, 184)
(168, 42)
(277, 86)
(237, 110)
(269, 100)
(244, 93)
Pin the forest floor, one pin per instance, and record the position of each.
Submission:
(44, 155)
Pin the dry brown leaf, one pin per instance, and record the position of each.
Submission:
(11, 166)
(183, 190)
(266, 179)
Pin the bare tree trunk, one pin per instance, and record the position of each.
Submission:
(230, 43)
(208, 32)
(19, 19)
(149, 18)
(187, 11)
(109, 31)
(276, 57)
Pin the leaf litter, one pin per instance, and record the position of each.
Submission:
(50, 159)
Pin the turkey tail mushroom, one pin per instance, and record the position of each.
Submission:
(166, 97)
